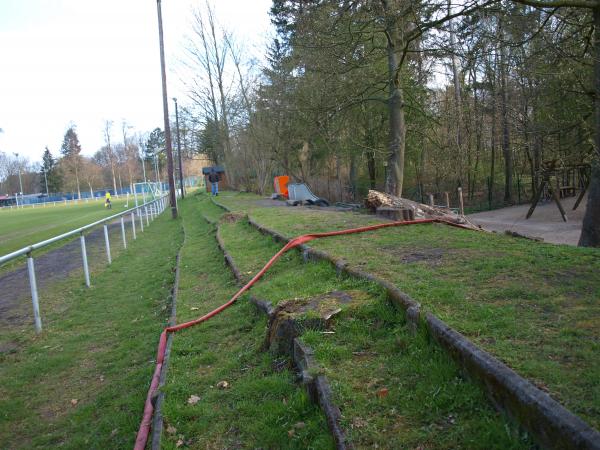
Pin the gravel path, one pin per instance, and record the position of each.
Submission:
(545, 223)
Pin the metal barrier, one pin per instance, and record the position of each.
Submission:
(152, 208)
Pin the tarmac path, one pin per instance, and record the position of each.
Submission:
(545, 223)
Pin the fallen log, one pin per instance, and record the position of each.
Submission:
(376, 199)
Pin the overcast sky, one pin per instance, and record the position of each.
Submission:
(85, 61)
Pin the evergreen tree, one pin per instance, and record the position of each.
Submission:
(155, 147)
(71, 149)
(155, 143)
(52, 173)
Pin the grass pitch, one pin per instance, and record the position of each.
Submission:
(22, 227)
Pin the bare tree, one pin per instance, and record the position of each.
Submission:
(111, 156)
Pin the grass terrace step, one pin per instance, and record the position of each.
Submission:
(394, 390)
(262, 406)
(532, 305)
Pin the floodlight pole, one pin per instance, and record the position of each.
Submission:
(179, 148)
(19, 170)
(166, 115)
(144, 168)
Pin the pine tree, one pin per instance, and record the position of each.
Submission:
(50, 172)
(71, 149)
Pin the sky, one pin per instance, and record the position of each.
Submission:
(88, 61)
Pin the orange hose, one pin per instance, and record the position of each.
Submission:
(144, 430)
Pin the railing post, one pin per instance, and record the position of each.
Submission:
(147, 219)
(86, 270)
(107, 243)
(34, 294)
(133, 225)
(123, 232)
(141, 219)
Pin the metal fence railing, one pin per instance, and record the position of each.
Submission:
(149, 211)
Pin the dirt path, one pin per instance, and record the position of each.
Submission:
(50, 267)
(545, 223)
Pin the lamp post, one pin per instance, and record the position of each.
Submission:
(20, 182)
(172, 198)
(19, 170)
(179, 148)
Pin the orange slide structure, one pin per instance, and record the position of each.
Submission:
(281, 185)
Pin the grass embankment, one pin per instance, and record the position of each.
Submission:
(394, 390)
(534, 306)
(262, 407)
(22, 227)
(82, 383)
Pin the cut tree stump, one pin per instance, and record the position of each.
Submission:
(397, 214)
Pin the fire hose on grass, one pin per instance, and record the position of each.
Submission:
(144, 429)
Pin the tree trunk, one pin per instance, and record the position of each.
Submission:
(77, 181)
(457, 107)
(395, 172)
(353, 177)
(508, 163)
(112, 168)
(395, 169)
(371, 169)
(590, 231)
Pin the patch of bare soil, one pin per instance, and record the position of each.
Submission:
(432, 256)
(231, 217)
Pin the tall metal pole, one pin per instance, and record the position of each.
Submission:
(144, 169)
(166, 115)
(179, 148)
(19, 169)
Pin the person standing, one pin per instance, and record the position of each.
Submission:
(213, 178)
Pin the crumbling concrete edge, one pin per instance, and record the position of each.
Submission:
(220, 205)
(318, 387)
(159, 396)
(319, 391)
(550, 423)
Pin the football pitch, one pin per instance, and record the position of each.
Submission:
(22, 227)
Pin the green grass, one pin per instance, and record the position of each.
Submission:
(22, 227)
(97, 347)
(429, 405)
(534, 306)
(263, 407)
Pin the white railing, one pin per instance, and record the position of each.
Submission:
(150, 210)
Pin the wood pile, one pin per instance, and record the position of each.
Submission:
(376, 199)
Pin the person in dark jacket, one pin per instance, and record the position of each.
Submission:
(213, 178)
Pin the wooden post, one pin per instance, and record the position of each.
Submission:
(430, 199)
(460, 202)
(447, 199)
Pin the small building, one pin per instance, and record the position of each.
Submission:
(6, 200)
(222, 177)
